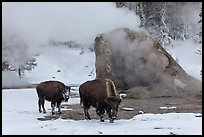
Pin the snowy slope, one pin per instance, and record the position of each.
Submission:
(74, 67)
(184, 52)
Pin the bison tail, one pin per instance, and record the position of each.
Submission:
(81, 102)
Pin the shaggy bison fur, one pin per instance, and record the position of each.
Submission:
(101, 94)
(53, 91)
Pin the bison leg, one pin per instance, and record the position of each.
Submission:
(111, 120)
(53, 107)
(39, 105)
(41, 102)
(100, 111)
(87, 116)
(102, 118)
(59, 109)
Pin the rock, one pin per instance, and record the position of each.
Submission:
(131, 58)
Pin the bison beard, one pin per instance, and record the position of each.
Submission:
(101, 94)
(53, 91)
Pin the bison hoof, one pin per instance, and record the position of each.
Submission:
(59, 112)
(53, 113)
(102, 120)
(88, 118)
(111, 120)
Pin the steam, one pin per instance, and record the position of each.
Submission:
(11, 80)
(28, 26)
(15, 50)
(135, 62)
(37, 23)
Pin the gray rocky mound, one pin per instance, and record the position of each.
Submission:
(132, 59)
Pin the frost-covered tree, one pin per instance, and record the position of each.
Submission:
(16, 55)
(200, 22)
(167, 21)
(120, 4)
(200, 36)
(154, 18)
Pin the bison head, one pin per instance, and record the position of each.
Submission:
(66, 93)
(112, 107)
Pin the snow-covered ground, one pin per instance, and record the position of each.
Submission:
(20, 113)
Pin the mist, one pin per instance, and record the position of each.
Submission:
(37, 23)
(27, 27)
(11, 80)
(134, 60)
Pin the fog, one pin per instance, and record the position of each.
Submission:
(11, 80)
(29, 26)
(37, 23)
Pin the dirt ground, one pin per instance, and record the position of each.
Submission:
(167, 102)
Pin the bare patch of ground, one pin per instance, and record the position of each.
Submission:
(140, 100)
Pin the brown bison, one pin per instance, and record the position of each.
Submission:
(53, 91)
(101, 94)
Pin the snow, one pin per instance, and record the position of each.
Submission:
(19, 106)
(19, 116)
(178, 83)
(184, 52)
(128, 109)
(74, 67)
(173, 107)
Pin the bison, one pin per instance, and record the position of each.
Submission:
(53, 91)
(101, 94)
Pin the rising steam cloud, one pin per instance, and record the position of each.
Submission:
(134, 60)
(28, 26)
(37, 23)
